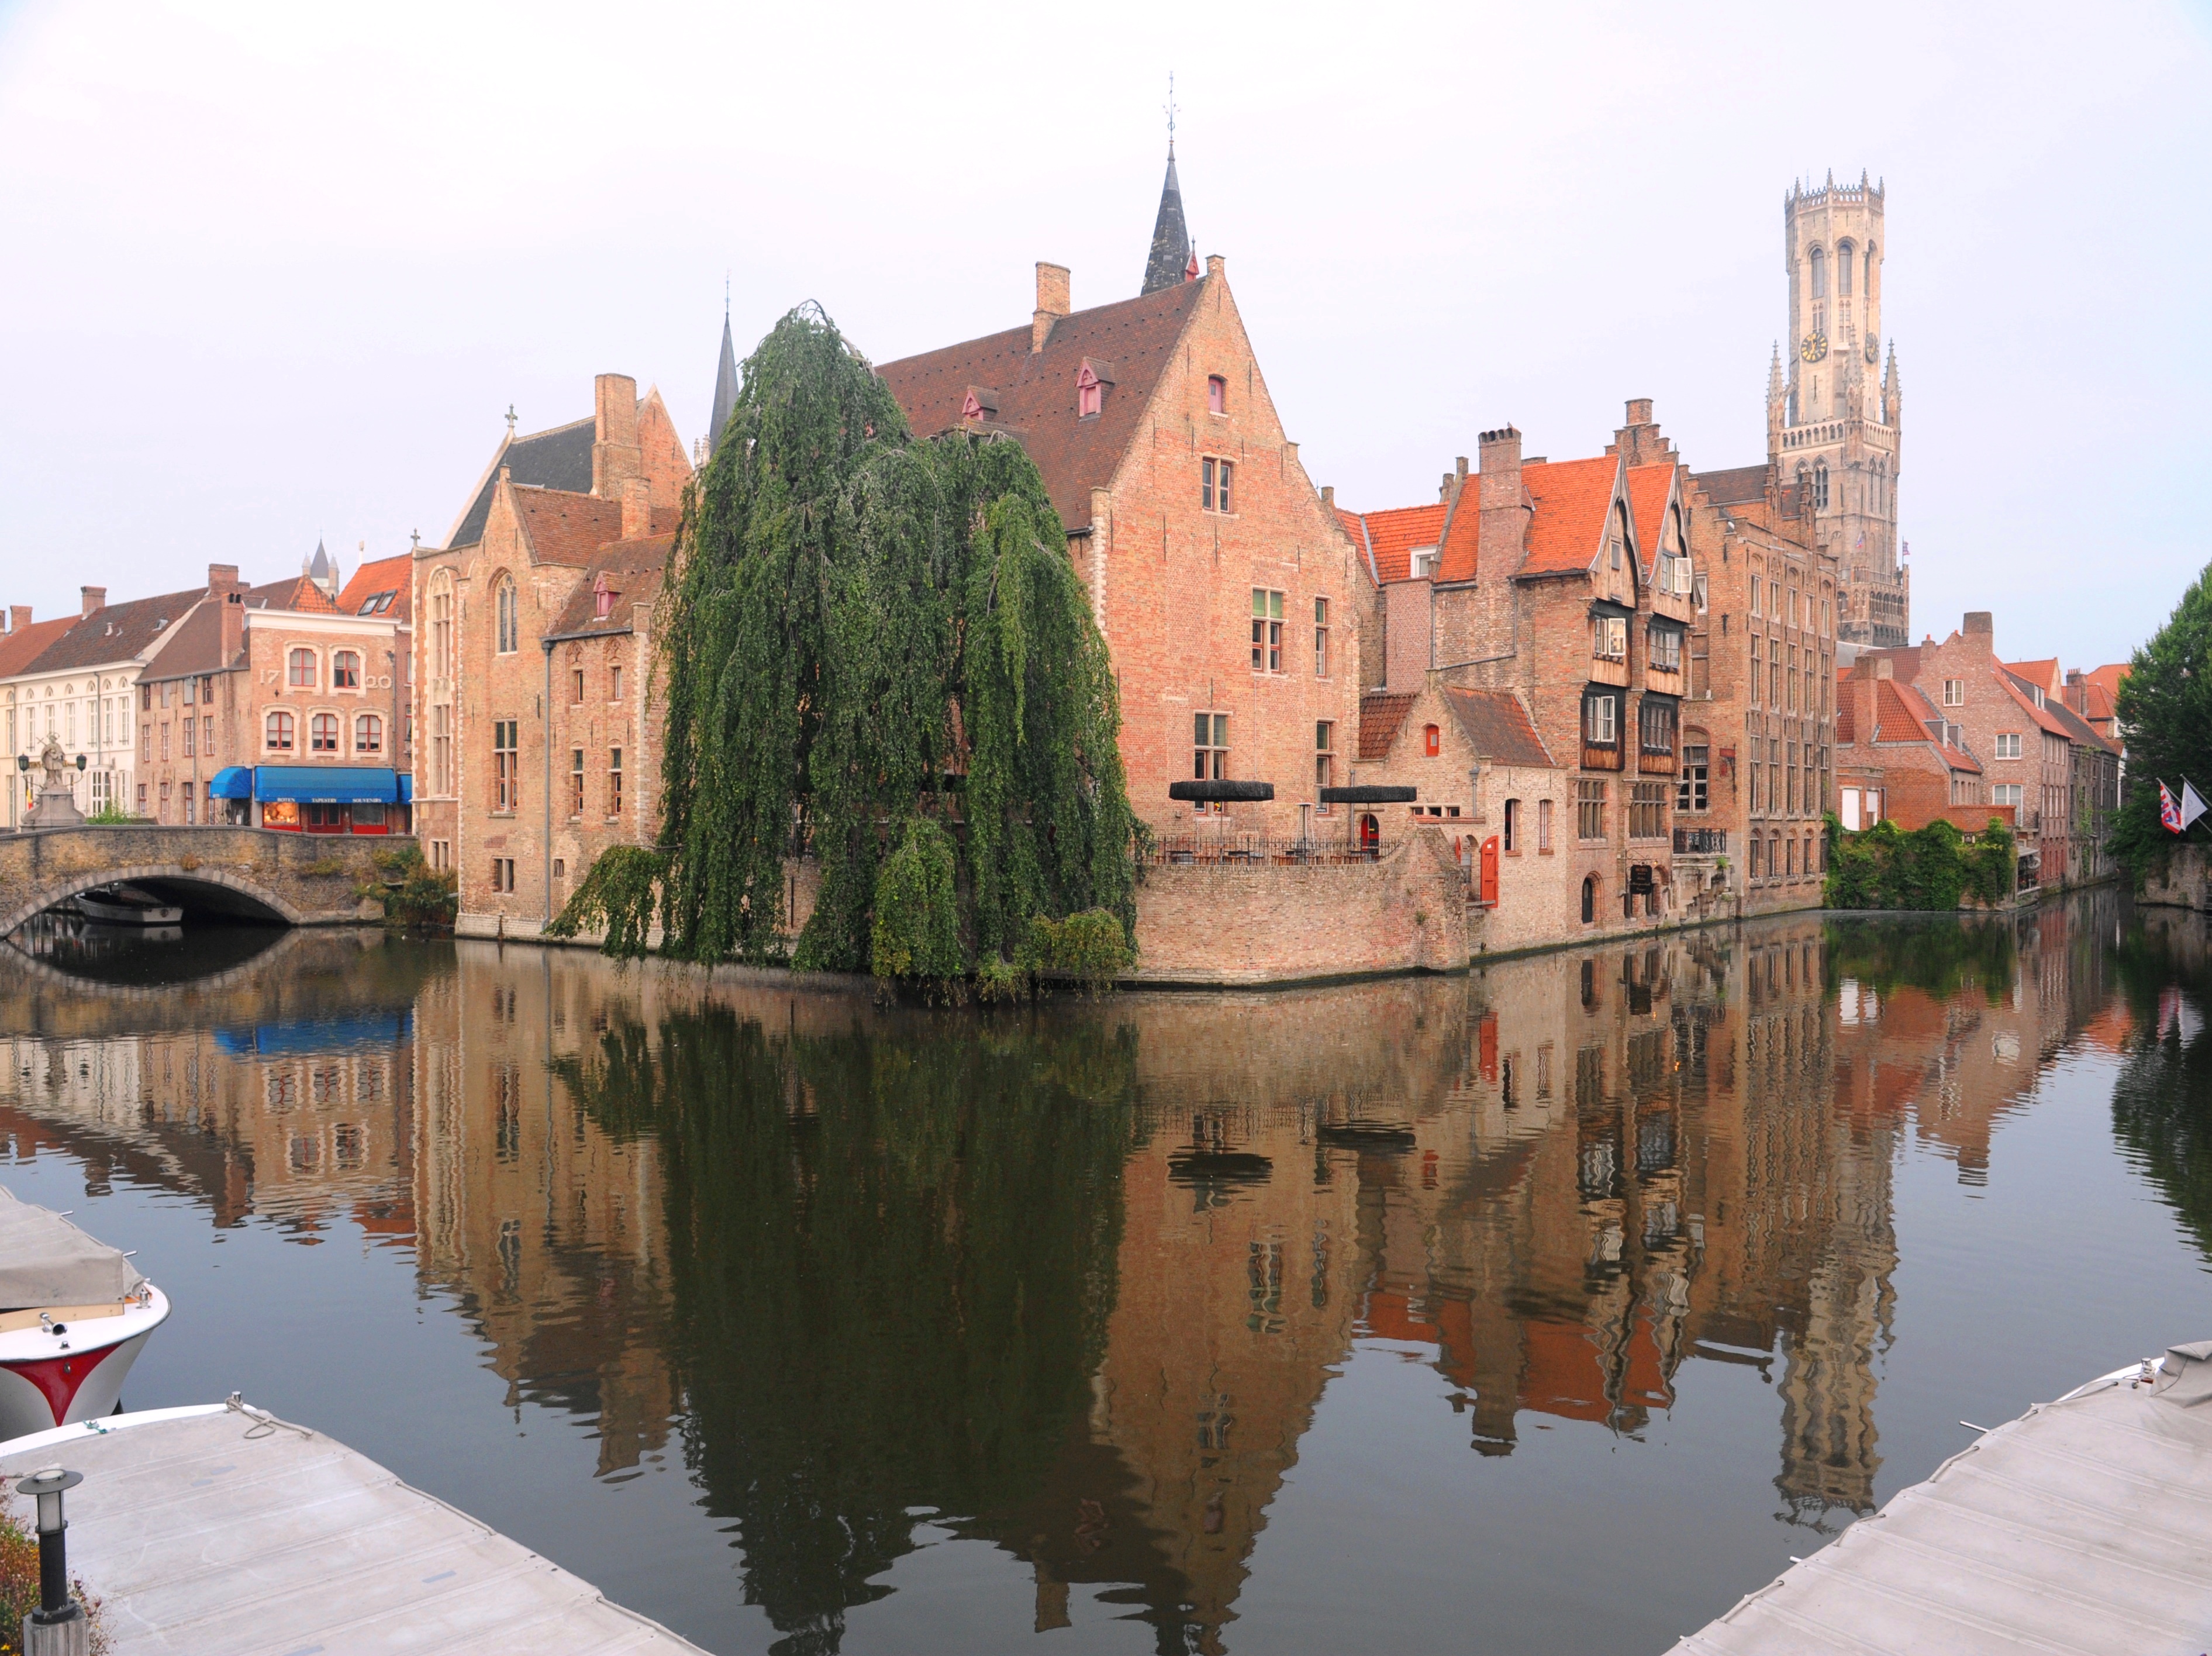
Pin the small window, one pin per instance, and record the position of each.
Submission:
(368, 733)
(1267, 630)
(614, 682)
(1217, 395)
(345, 670)
(1543, 825)
(1320, 638)
(1609, 637)
(2008, 746)
(1210, 746)
(1691, 790)
(615, 783)
(1089, 395)
(1843, 270)
(1512, 825)
(1589, 808)
(1424, 567)
(277, 733)
(1667, 648)
(1433, 741)
(1656, 726)
(576, 687)
(1820, 262)
(1324, 755)
(300, 673)
(509, 621)
(575, 781)
(323, 732)
(507, 764)
(1589, 912)
(188, 691)
(1954, 692)
(1216, 478)
(1600, 721)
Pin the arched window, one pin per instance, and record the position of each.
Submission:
(1371, 835)
(323, 732)
(1513, 825)
(1819, 274)
(345, 670)
(1755, 844)
(441, 625)
(278, 733)
(1821, 485)
(1843, 270)
(1589, 914)
(1867, 288)
(300, 670)
(368, 734)
(1089, 395)
(510, 630)
(1433, 741)
(1217, 395)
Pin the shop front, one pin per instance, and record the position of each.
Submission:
(334, 798)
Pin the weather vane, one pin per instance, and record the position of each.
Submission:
(1170, 107)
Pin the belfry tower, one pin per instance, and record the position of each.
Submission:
(1834, 416)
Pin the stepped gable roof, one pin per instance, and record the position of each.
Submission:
(1649, 488)
(1572, 499)
(558, 459)
(1037, 389)
(1740, 486)
(384, 588)
(632, 570)
(1390, 536)
(1356, 527)
(1381, 714)
(118, 632)
(1496, 725)
(19, 648)
(296, 593)
(195, 647)
(2044, 673)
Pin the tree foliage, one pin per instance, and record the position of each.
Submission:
(860, 630)
(1931, 868)
(2165, 704)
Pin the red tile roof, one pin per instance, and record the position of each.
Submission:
(295, 593)
(1572, 499)
(395, 575)
(570, 528)
(1457, 558)
(1356, 527)
(1136, 338)
(1649, 488)
(194, 646)
(1379, 715)
(2109, 678)
(2043, 718)
(1391, 535)
(633, 571)
(1496, 724)
(118, 632)
(2044, 673)
(19, 648)
(1931, 723)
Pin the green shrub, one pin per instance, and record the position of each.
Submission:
(112, 815)
(1934, 868)
(19, 1588)
(618, 897)
(915, 935)
(1090, 949)
(416, 895)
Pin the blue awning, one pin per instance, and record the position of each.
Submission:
(233, 782)
(326, 784)
(407, 788)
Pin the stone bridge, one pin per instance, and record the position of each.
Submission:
(261, 874)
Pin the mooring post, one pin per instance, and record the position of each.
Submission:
(57, 1627)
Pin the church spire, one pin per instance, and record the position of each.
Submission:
(1172, 257)
(726, 383)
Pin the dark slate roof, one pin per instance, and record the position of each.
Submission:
(194, 647)
(559, 458)
(633, 570)
(118, 632)
(1169, 262)
(1738, 486)
(1498, 726)
(1037, 389)
(726, 389)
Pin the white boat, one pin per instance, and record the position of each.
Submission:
(75, 1313)
(126, 905)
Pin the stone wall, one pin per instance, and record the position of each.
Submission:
(2185, 881)
(1216, 923)
(305, 879)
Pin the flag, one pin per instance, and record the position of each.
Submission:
(2169, 809)
(2192, 805)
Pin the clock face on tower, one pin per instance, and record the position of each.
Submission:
(1814, 347)
(1874, 350)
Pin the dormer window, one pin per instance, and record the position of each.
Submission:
(979, 406)
(1217, 395)
(1424, 563)
(1089, 395)
(602, 597)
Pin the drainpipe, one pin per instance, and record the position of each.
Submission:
(545, 736)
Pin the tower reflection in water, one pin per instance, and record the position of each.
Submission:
(1074, 1281)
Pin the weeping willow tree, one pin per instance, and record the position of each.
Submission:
(861, 632)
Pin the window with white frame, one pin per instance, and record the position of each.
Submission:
(1954, 692)
(2007, 744)
(1609, 637)
(1267, 630)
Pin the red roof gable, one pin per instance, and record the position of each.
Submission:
(1379, 715)
(1572, 499)
(1649, 488)
(19, 648)
(1391, 536)
(395, 575)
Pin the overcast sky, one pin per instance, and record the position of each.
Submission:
(275, 274)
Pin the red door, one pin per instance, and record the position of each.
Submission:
(1371, 835)
(1490, 870)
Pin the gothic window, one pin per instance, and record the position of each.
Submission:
(1089, 395)
(1819, 274)
(1868, 287)
(510, 629)
(1821, 485)
(1843, 270)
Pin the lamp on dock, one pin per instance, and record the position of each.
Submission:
(57, 1627)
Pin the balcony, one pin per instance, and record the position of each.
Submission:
(1701, 842)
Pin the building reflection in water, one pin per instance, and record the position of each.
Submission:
(1074, 1281)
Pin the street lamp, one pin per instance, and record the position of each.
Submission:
(58, 1625)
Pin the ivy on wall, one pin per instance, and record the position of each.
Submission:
(1932, 867)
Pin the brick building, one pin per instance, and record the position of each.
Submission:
(1565, 586)
(1222, 583)
(534, 651)
(1898, 759)
(273, 705)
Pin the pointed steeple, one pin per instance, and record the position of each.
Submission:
(726, 385)
(1172, 254)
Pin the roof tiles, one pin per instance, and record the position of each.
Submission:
(1380, 716)
(1572, 499)
(1496, 724)
(1393, 534)
(116, 632)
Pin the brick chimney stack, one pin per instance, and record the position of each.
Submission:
(1505, 525)
(19, 617)
(637, 508)
(95, 598)
(615, 455)
(1866, 674)
(1982, 622)
(2077, 691)
(1053, 302)
(223, 578)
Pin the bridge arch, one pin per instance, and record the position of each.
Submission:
(270, 905)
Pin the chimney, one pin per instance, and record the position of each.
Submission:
(1982, 622)
(1865, 691)
(19, 617)
(234, 622)
(1328, 497)
(615, 453)
(95, 598)
(1216, 264)
(637, 508)
(223, 578)
(1052, 304)
(2077, 691)
(1504, 524)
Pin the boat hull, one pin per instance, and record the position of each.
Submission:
(128, 914)
(49, 1379)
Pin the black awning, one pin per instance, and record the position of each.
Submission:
(1374, 793)
(1221, 791)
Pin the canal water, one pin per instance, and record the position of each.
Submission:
(1550, 1308)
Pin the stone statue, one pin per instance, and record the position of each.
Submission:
(53, 761)
(56, 807)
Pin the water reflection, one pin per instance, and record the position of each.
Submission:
(1074, 1283)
